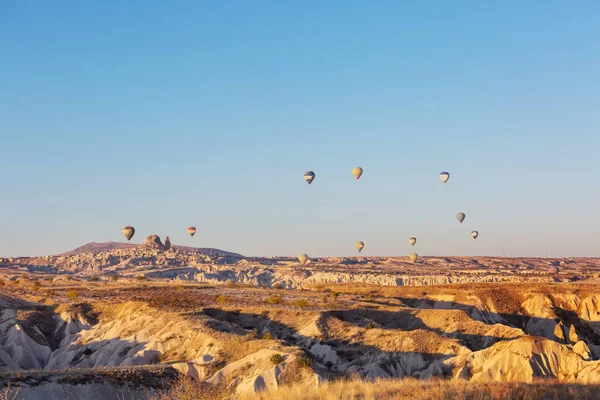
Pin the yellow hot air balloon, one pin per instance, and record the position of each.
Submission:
(129, 231)
(412, 241)
(359, 246)
(302, 258)
(413, 257)
(357, 172)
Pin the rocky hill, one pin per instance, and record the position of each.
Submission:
(155, 259)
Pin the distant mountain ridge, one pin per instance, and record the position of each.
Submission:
(95, 248)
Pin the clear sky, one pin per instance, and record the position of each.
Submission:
(163, 115)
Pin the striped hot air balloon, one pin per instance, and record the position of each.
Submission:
(128, 232)
(303, 258)
(309, 176)
(444, 176)
(191, 230)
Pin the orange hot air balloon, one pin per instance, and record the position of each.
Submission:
(191, 231)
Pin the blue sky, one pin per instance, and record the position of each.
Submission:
(208, 113)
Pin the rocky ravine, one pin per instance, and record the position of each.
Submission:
(506, 333)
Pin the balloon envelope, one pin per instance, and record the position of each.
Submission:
(412, 241)
(460, 217)
(474, 234)
(413, 257)
(553, 269)
(359, 246)
(444, 176)
(302, 258)
(191, 231)
(309, 176)
(357, 172)
(128, 232)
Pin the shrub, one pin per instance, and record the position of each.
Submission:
(268, 336)
(94, 279)
(276, 359)
(335, 295)
(325, 298)
(371, 325)
(279, 286)
(69, 278)
(301, 303)
(140, 278)
(72, 295)
(16, 282)
(275, 299)
(36, 284)
(231, 283)
(305, 361)
(222, 300)
(1, 283)
(114, 277)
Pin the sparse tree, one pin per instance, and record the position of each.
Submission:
(335, 296)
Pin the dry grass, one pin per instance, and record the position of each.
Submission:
(9, 393)
(429, 390)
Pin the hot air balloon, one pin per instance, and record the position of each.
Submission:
(309, 176)
(413, 257)
(444, 176)
(308, 261)
(460, 217)
(412, 241)
(357, 172)
(302, 258)
(553, 269)
(191, 231)
(474, 234)
(129, 231)
(359, 246)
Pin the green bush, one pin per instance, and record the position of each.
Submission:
(305, 361)
(222, 300)
(72, 295)
(275, 299)
(276, 359)
(302, 303)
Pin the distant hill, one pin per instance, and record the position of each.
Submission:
(96, 248)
